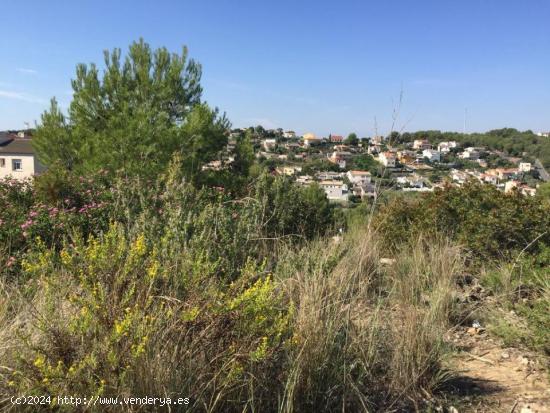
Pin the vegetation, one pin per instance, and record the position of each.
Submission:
(490, 223)
(352, 139)
(232, 287)
(133, 117)
(508, 140)
(201, 300)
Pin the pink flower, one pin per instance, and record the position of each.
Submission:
(10, 262)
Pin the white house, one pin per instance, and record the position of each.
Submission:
(525, 167)
(489, 178)
(377, 140)
(337, 159)
(269, 144)
(17, 158)
(359, 177)
(522, 188)
(470, 153)
(373, 149)
(544, 134)
(421, 144)
(289, 170)
(328, 175)
(289, 134)
(413, 180)
(335, 190)
(304, 180)
(433, 156)
(387, 159)
(446, 147)
(482, 162)
(310, 139)
(459, 176)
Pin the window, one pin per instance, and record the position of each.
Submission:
(2, 162)
(17, 165)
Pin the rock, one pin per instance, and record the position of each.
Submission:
(505, 355)
(453, 409)
(526, 409)
(387, 261)
(472, 331)
(524, 360)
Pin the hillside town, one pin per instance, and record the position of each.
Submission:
(347, 169)
(351, 169)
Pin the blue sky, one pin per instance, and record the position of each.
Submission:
(321, 66)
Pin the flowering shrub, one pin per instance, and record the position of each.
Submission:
(105, 299)
(27, 214)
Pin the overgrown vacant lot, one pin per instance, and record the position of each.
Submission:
(247, 302)
(164, 276)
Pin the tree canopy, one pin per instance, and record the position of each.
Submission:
(352, 139)
(134, 116)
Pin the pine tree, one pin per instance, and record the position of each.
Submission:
(134, 116)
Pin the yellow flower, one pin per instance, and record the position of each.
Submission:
(153, 269)
(139, 246)
(39, 362)
(65, 257)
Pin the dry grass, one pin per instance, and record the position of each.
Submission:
(370, 336)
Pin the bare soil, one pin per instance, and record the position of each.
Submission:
(493, 378)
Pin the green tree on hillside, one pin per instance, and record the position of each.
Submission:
(352, 139)
(244, 155)
(133, 116)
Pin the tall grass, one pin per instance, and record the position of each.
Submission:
(369, 336)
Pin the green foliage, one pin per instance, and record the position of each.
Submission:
(318, 165)
(133, 117)
(511, 141)
(486, 221)
(524, 286)
(543, 191)
(352, 139)
(243, 155)
(293, 211)
(364, 162)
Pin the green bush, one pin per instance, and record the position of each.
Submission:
(488, 222)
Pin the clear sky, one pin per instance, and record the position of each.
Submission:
(321, 66)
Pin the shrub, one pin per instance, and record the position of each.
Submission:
(486, 221)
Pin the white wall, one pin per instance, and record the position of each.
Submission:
(357, 179)
(29, 166)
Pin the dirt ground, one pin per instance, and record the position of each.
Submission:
(493, 378)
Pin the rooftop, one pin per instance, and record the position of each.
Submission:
(16, 146)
